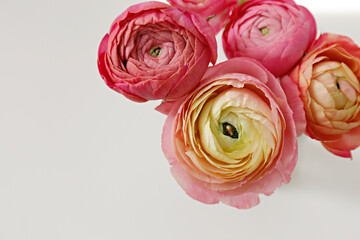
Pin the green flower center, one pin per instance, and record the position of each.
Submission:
(155, 51)
(265, 31)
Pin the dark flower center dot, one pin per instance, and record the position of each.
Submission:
(155, 51)
(337, 85)
(229, 130)
(210, 17)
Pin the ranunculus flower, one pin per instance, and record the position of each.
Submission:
(155, 51)
(327, 81)
(275, 32)
(215, 11)
(233, 137)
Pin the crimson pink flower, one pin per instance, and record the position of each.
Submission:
(215, 11)
(155, 51)
(233, 137)
(324, 93)
(274, 32)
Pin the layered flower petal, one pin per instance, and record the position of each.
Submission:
(276, 33)
(233, 137)
(155, 51)
(328, 81)
(214, 11)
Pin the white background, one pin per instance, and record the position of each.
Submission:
(79, 161)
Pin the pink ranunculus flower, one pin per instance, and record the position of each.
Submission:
(215, 11)
(233, 137)
(155, 51)
(275, 32)
(324, 93)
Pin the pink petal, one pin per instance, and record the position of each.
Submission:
(193, 190)
(337, 152)
(105, 75)
(293, 97)
(343, 146)
(165, 107)
(243, 201)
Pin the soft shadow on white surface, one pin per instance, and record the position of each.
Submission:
(79, 161)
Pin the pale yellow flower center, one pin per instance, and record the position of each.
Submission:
(232, 133)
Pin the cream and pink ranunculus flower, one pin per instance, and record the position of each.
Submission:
(214, 11)
(233, 137)
(155, 51)
(275, 32)
(324, 93)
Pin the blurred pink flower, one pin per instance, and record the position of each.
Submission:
(155, 51)
(233, 137)
(215, 11)
(324, 93)
(274, 32)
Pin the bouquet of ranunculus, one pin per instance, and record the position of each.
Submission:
(231, 128)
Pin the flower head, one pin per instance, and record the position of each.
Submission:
(275, 32)
(328, 88)
(155, 51)
(233, 137)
